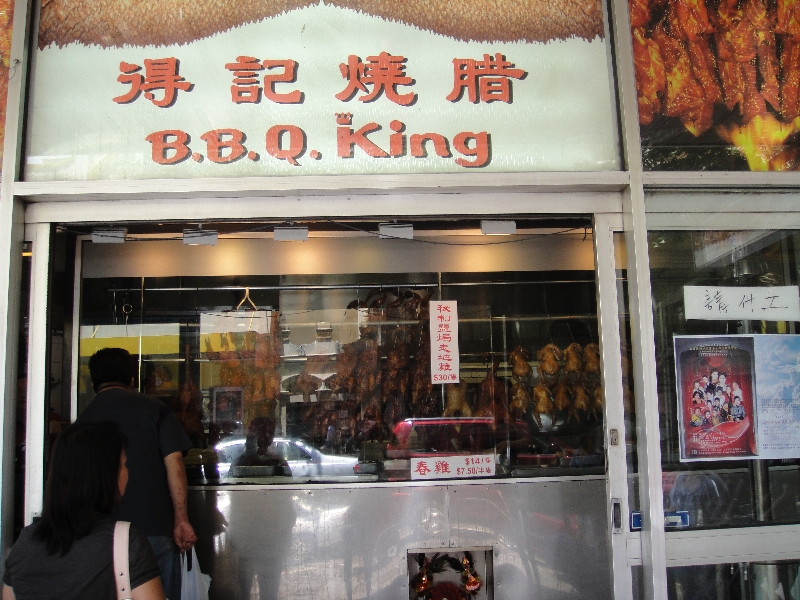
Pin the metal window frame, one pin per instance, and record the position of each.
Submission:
(12, 229)
(693, 210)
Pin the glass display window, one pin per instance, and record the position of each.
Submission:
(447, 356)
(725, 312)
(730, 581)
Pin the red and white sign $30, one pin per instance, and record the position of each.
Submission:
(445, 364)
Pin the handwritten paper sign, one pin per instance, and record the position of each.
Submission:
(451, 467)
(445, 363)
(751, 303)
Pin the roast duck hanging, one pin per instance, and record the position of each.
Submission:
(251, 361)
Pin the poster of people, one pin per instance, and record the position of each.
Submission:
(716, 387)
(738, 396)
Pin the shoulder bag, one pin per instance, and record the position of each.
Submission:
(122, 576)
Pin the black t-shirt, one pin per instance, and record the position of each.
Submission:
(153, 432)
(86, 571)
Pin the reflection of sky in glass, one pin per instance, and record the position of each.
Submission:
(778, 366)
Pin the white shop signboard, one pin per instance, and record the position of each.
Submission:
(146, 89)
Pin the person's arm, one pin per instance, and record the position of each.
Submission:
(149, 590)
(8, 593)
(183, 532)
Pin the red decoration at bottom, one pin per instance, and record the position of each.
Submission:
(445, 591)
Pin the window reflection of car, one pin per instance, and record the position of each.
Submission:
(304, 460)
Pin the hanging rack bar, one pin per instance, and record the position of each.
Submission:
(360, 286)
(392, 323)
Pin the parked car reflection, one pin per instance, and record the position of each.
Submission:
(304, 460)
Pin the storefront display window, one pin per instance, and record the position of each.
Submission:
(487, 366)
(716, 84)
(725, 311)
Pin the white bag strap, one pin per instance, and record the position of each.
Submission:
(122, 576)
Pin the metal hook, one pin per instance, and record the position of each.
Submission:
(13, 71)
(127, 309)
(253, 304)
(246, 299)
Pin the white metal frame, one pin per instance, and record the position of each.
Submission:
(609, 330)
(38, 373)
(11, 239)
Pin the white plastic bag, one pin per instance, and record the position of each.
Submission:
(194, 584)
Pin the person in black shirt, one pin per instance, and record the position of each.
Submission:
(156, 497)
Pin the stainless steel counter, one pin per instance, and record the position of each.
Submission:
(549, 536)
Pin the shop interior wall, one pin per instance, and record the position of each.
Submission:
(172, 258)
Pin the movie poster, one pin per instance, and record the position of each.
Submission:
(716, 388)
(738, 396)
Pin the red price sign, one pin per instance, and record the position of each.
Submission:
(451, 467)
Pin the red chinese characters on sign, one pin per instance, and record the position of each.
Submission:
(253, 78)
(488, 80)
(445, 364)
(159, 74)
(422, 468)
(246, 88)
(451, 467)
(383, 73)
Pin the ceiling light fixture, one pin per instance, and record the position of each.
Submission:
(200, 236)
(396, 231)
(109, 235)
(290, 234)
(498, 227)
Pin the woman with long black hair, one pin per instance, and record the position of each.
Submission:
(68, 552)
